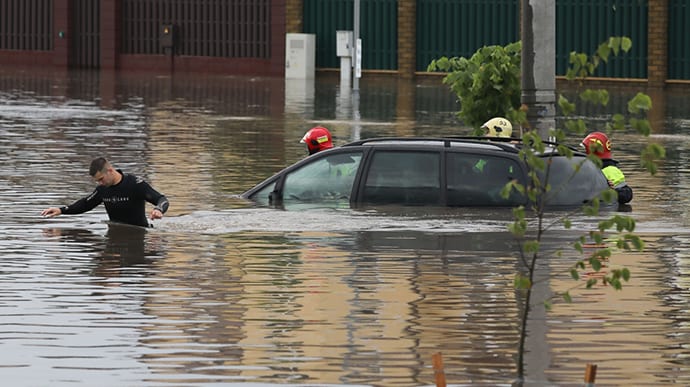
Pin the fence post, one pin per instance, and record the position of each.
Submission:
(439, 375)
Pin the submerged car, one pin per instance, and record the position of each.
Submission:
(426, 172)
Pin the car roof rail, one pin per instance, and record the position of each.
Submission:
(509, 144)
(446, 141)
(518, 141)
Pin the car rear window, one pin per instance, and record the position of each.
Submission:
(478, 179)
(574, 181)
(403, 177)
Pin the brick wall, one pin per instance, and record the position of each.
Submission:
(407, 35)
(293, 16)
(657, 51)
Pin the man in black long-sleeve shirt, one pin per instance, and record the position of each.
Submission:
(123, 195)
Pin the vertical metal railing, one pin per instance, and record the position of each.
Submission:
(26, 25)
(603, 19)
(678, 42)
(85, 34)
(215, 28)
(460, 27)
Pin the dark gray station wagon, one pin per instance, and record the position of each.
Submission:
(425, 172)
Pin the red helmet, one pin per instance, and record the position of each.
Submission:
(317, 139)
(599, 144)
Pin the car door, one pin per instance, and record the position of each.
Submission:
(325, 178)
(402, 176)
(477, 179)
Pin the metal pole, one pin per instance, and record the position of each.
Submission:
(356, 62)
(355, 38)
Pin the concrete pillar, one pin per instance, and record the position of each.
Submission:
(538, 32)
(657, 44)
(407, 38)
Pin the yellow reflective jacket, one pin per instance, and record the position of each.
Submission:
(614, 175)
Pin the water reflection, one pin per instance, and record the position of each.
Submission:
(220, 292)
(121, 246)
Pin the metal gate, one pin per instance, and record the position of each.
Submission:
(213, 28)
(85, 49)
(460, 27)
(602, 19)
(26, 25)
(678, 43)
(378, 30)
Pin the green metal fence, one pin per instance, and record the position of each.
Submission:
(678, 40)
(583, 24)
(378, 30)
(460, 27)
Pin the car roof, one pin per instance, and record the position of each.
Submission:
(505, 144)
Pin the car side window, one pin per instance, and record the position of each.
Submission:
(478, 179)
(409, 177)
(328, 178)
(263, 197)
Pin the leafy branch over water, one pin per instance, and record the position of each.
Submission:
(487, 85)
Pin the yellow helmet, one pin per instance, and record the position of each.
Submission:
(498, 127)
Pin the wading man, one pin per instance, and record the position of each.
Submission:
(123, 195)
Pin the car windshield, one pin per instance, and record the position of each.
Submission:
(329, 178)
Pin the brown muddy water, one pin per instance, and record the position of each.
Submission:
(223, 293)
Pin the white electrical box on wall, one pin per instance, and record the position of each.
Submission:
(343, 43)
(300, 56)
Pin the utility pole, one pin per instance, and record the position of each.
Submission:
(357, 54)
(539, 63)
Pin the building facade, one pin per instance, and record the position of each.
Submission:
(400, 37)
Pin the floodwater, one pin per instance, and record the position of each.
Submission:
(222, 293)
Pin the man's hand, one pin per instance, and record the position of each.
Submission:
(51, 212)
(156, 214)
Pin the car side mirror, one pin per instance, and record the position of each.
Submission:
(275, 199)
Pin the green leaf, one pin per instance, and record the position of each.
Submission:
(603, 52)
(578, 247)
(641, 126)
(522, 282)
(640, 103)
(566, 106)
(531, 246)
(595, 263)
